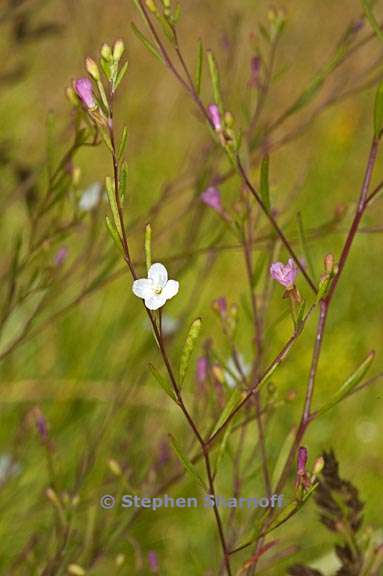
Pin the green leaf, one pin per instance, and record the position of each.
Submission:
(371, 18)
(265, 187)
(223, 445)
(307, 95)
(287, 511)
(189, 347)
(148, 246)
(163, 382)
(113, 204)
(120, 75)
(123, 143)
(234, 400)
(103, 94)
(199, 68)
(350, 384)
(186, 462)
(167, 29)
(106, 139)
(123, 181)
(215, 79)
(378, 113)
(282, 456)
(114, 234)
(107, 68)
(147, 43)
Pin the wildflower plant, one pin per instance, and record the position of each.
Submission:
(249, 386)
(220, 437)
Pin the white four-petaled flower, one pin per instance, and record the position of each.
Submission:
(156, 288)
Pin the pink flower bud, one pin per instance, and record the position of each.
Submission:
(215, 117)
(220, 305)
(285, 274)
(153, 562)
(84, 90)
(41, 424)
(212, 197)
(302, 461)
(61, 256)
(201, 369)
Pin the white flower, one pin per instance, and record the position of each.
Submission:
(233, 375)
(8, 468)
(91, 197)
(156, 288)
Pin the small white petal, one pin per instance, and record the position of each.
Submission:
(91, 197)
(155, 301)
(171, 289)
(143, 288)
(158, 273)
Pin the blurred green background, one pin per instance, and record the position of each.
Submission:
(84, 359)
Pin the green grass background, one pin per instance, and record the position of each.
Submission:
(88, 369)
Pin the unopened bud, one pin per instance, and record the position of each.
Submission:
(52, 496)
(151, 6)
(302, 461)
(41, 423)
(92, 68)
(215, 117)
(318, 466)
(329, 263)
(220, 306)
(76, 570)
(115, 467)
(106, 52)
(120, 559)
(118, 49)
(218, 373)
(75, 501)
(229, 120)
(71, 95)
(76, 175)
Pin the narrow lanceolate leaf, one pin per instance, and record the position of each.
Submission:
(147, 43)
(291, 509)
(282, 457)
(186, 461)
(148, 246)
(367, 6)
(215, 80)
(223, 445)
(199, 68)
(123, 181)
(350, 384)
(378, 113)
(114, 234)
(101, 90)
(113, 204)
(265, 187)
(163, 382)
(122, 145)
(232, 403)
(120, 75)
(189, 347)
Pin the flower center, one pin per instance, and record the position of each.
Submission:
(157, 290)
